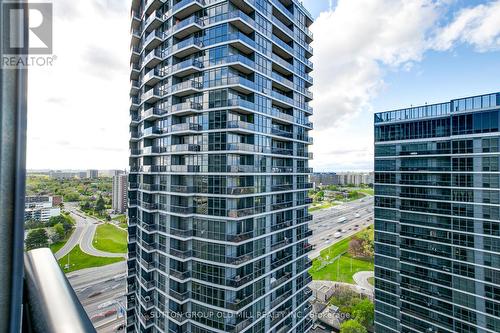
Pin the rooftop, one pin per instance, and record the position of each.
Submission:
(466, 104)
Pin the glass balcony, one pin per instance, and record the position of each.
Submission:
(185, 127)
(284, 46)
(151, 96)
(186, 67)
(283, 27)
(285, 82)
(182, 254)
(283, 63)
(153, 113)
(187, 47)
(279, 132)
(134, 87)
(134, 103)
(152, 5)
(147, 284)
(135, 71)
(154, 21)
(282, 151)
(180, 275)
(183, 148)
(186, 107)
(136, 37)
(238, 124)
(180, 296)
(152, 59)
(282, 98)
(282, 205)
(135, 53)
(152, 77)
(185, 8)
(280, 299)
(153, 40)
(186, 88)
(187, 27)
(135, 20)
(238, 40)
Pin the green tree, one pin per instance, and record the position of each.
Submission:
(364, 312)
(59, 233)
(55, 220)
(352, 326)
(37, 238)
(100, 205)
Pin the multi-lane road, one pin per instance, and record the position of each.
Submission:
(101, 291)
(325, 225)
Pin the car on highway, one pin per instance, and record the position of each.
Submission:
(342, 219)
(357, 215)
(338, 235)
(106, 304)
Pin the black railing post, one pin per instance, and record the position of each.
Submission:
(13, 104)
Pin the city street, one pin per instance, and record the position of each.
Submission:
(84, 234)
(325, 223)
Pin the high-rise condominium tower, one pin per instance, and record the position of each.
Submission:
(437, 222)
(218, 220)
(120, 191)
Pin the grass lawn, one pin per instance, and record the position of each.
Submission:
(344, 270)
(371, 281)
(109, 238)
(340, 270)
(122, 219)
(79, 260)
(58, 245)
(322, 205)
(368, 191)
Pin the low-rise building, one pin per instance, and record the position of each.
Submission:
(40, 208)
(342, 178)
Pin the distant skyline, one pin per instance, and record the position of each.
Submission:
(370, 55)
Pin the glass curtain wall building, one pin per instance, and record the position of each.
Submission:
(437, 222)
(219, 151)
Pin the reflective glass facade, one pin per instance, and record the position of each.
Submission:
(219, 153)
(437, 217)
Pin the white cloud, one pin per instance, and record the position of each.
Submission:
(356, 42)
(352, 44)
(86, 90)
(478, 26)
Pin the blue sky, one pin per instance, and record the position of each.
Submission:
(448, 61)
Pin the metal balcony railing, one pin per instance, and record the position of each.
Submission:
(45, 283)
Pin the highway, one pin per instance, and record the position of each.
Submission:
(101, 291)
(325, 223)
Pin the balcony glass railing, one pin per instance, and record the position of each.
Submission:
(192, 41)
(186, 22)
(152, 36)
(282, 44)
(282, 26)
(186, 64)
